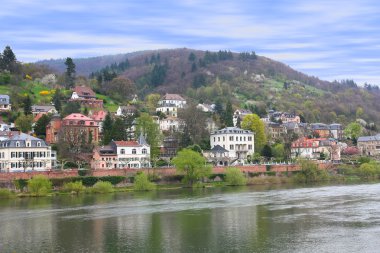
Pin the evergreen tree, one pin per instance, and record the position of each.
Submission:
(72, 107)
(266, 151)
(228, 115)
(40, 126)
(57, 100)
(8, 60)
(70, 72)
(107, 129)
(193, 67)
(192, 56)
(27, 105)
(118, 130)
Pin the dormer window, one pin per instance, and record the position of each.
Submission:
(28, 144)
(39, 144)
(17, 144)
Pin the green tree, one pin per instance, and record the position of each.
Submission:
(118, 130)
(71, 107)
(24, 123)
(149, 128)
(27, 105)
(70, 73)
(39, 185)
(266, 151)
(353, 131)
(234, 176)
(278, 151)
(57, 100)
(192, 57)
(40, 126)
(228, 115)
(192, 164)
(253, 123)
(142, 183)
(151, 101)
(8, 60)
(107, 129)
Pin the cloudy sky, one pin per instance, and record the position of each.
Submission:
(330, 39)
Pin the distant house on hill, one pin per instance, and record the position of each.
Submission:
(126, 110)
(43, 109)
(170, 103)
(206, 107)
(86, 97)
(239, 114)
(5, 104)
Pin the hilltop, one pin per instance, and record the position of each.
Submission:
(249, 80)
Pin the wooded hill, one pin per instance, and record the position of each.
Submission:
(249, 81)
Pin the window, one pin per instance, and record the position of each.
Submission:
(218, 138)
(134, 151)
(39, 144)
(122, 151)
(231, 138)
(144, 150)
(249, 147)
(17, 144)
(231, 147)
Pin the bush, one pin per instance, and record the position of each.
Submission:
(114, 180)
(6, 194)
(142, 183)
(235, 177)
(20, 184)
(102, 187)
(367, 170)
(76, 187)
(39, 185)
(89, 181)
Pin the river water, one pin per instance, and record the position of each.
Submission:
(343, 218)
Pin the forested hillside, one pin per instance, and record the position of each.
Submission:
(246, 79)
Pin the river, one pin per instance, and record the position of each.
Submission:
(344, 218)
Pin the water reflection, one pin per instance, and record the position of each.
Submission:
(246, 219)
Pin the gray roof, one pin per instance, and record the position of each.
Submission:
(232, 130)
(218, 149)
(21, 138)
(319, 126)
(42, 108)
(4, 100)
(335, 127)
(369, 138)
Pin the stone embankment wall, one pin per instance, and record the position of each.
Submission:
(7, 177)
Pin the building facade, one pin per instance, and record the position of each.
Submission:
(369, 145)
(239, 143)
(23, 152)
(5, 103)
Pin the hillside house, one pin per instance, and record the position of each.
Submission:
(128, 110)
(239, 114)
(170, 103)
(316, 149)
(369, 145)
(86, 97)
(43, 109)
(5, 103)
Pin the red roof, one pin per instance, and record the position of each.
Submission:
(173, 97)
(77, 116)
(99, 115)
(127, 143)
(84, 91)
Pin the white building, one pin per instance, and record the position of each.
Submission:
(240, 114)
(206, 107)
(170, 103)
(128, 110)
(238, 142)
(170, 123)
(5, 104)
(132, 154)
(22, 152)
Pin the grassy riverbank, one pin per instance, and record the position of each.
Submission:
(309, 174)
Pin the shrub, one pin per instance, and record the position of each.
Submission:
(39, 185)
(367, 170)
(44, 93)
(235, 177)
(114, 180)
(102, 187)
(6, 194)
(76, 187)
(20, 184)
(142, 183)
(89, 181)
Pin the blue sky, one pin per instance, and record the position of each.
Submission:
(328, 39)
